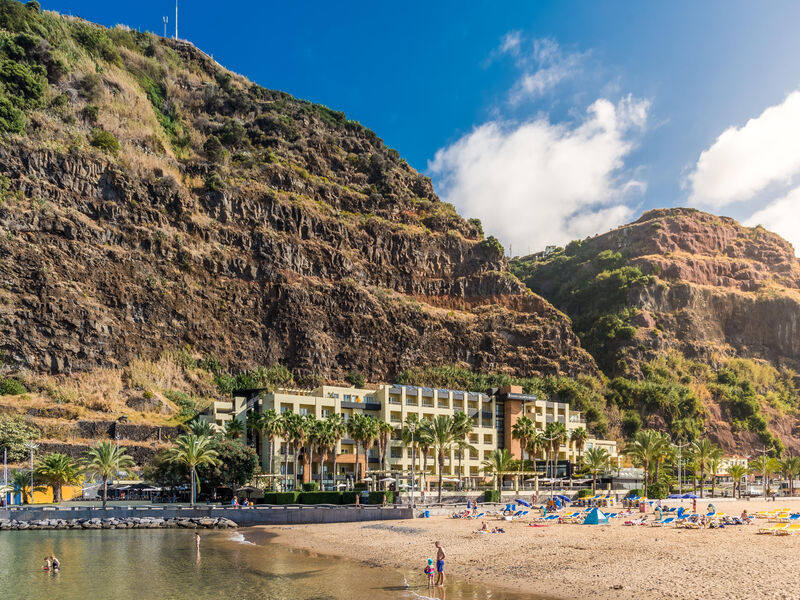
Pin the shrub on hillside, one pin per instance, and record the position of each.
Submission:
(105, 141)
(12, 119)
(355, 379)
(11, 387)
(25, 85)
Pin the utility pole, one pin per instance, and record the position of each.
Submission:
(165, 20)
(176, 19)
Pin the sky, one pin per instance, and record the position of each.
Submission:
(549, 121)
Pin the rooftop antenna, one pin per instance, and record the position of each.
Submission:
(165, 20)
(176, 19)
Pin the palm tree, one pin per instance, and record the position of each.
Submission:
(363, 431)
(462, 425)
(252, 424)
(193, 451)
(646, 448)
(462, 446)
(269, 426)
(443, 437)
(790, 467)
(56, 470)
(293, 434)
(22, 481)
(773, 466)
(424, 441)
(702, 451)
(556, 434)
(385, 431)
(104, 461)
(312, 432)
(523, 430)
(596, 461)
(714, 463)
(338, 432)
(498, 464)
(234, 429)
(412, 441)
(200, 427)
(535, 445)
(578, 437)
(326, 442)
(737, 473)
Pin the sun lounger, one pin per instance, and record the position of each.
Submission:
(779, 517)
(773, 528)
(667, 521)
(791, 529)
(477, 516)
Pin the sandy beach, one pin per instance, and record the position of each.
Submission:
(580, 561)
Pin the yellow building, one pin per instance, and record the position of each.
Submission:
(493, 417)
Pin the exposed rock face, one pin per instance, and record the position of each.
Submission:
(111, 266)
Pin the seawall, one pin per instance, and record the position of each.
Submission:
(242, 516)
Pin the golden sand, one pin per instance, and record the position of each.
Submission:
(580, 561)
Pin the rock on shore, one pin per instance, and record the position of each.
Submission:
(124, 523)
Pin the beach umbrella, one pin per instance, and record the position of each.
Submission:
(367, 479)
(674, 496)
(341, 485)
(690, 496)
(388, 480)
(519, 501)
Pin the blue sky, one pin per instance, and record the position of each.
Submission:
(548, 120)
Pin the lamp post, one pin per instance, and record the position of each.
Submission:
(680, 447)
(31, 446)
(412, 427)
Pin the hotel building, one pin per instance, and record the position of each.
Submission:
(493, 416)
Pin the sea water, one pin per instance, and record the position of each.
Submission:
(164, 564)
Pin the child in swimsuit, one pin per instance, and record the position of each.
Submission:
(429, 572)
(46, 566)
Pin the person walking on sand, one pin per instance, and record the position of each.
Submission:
(439, 564)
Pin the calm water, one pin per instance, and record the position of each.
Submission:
(163, 564)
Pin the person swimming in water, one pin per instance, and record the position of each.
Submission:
(55, 562)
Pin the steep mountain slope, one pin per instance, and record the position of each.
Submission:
(151, 200)
(694, 315)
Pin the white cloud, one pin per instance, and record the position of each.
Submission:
(747, 160)
(781, 216)
(542, 63)
(537, 183)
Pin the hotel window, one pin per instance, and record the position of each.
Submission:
(326, 412)
(347, 397)
(303, 411)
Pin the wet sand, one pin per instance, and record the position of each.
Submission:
(579, 561)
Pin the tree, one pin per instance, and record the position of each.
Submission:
(164, 473)
(385, 431)
(498, 464)
(411, 440)
(462, 425)
(702, 450)
(737, 473)
(646, 448)
(338, 429)
(444, 436)
(252, 424)
(326, 442)
(106, 460)
(578, 437)
(293, 434)
(57, 470)
(236, 465)
(193, 452)
(363, 431)
(790, 467)
(270, 426)
(556, 434)
(234, 429)
(714, 463)
(312, 431)
(424, 442)
(22, 482)
(14, 434)
(200, 427)
(355, 379)
(523, 430)
(596, 461)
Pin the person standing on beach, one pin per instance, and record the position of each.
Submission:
(439, 564)
(197, 540)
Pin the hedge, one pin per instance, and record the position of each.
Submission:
(491, 496)
(349, 497)
(585, 493)
(311, 486)
(321, 498)
(377, 497)
(635, 492)
(281, 498)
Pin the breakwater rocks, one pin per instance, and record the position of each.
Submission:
(120, 523)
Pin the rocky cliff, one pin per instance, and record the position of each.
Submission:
(151, 200)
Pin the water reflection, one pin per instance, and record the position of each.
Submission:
(138, 564)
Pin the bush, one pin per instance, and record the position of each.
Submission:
(355, 379)
(11, 387)
(12, 119)
(311, 486)
(635, 492)
(105, 141)
(491, 496)
(24, 85)
(349, 497)
(214, 150)
(320, 498)
(281, 497)
(14, 434)
(377, 497)
(214, 182)
(584, 493)
(657, 490)
(90, 113)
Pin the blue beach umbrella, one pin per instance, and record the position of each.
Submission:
(518, 501)
(690, 496)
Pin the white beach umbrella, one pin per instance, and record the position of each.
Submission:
(367, 479)
(388, 480)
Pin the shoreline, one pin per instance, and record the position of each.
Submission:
(568, 562)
